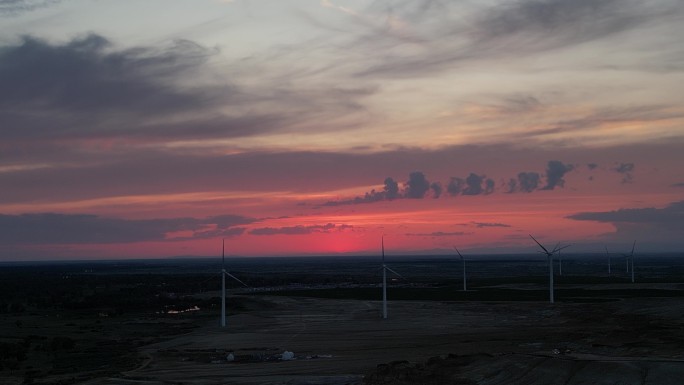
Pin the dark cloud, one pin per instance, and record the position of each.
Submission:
(511, 186)
(390, 192)
(592, 166)
(626, 170)
(417, 185)
(678, 185)
(456, 186)
(489, 186)
(477, 185)
(85, 76)
(555, 172)
(391, 189)
(53, 228)
(473, 184)
(654, 224)
(301, 230)
(415, 188)
(671, 215)
(529, 181)
(89, 89)
(437, 189)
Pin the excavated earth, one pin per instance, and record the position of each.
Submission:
(622, 341)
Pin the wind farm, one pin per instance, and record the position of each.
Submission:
(477, 140)
(301, 323)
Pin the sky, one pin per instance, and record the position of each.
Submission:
(317, 127)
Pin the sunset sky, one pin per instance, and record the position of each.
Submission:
(134, 129)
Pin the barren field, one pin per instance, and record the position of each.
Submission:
(597, 332)
(341, 341)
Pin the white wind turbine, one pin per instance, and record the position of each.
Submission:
(549, 256)
(630, 258)
(224, 273)
(464, 269)
(384, 280)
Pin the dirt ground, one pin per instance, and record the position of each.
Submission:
(629, 341)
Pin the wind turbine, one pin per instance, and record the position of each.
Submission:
(549, 256)
(464, 269)
(626, 262)
(384, 280)
(629, 258)
(224, 273)
(608, 254)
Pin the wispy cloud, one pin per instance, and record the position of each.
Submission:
(438, 234)
(53, 228)
(89, 89)
(481, 225)
(17, 7)
(626, 169)
(301, 230)
(651, 223)
(499, 30)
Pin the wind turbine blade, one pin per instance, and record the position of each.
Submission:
(383, 249)
(395, 273)
(459, 253)
(235, 278)
(223, 254)
(540, 245)
(633, 244)
(557, 250)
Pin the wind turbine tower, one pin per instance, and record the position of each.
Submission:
(223, 283)
(385, 269)
(224, 273)
(464, 269)
(631, 257)
(549, 256)
(608, 255)
(384, 282)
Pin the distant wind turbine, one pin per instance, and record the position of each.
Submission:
(464, 269)
(384, 280)
(630, 258)
(549, 256)
(224, 273)
(608, 255)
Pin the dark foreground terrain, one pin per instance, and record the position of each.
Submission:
(156, 322)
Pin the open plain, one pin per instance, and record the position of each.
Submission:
(502, 331)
